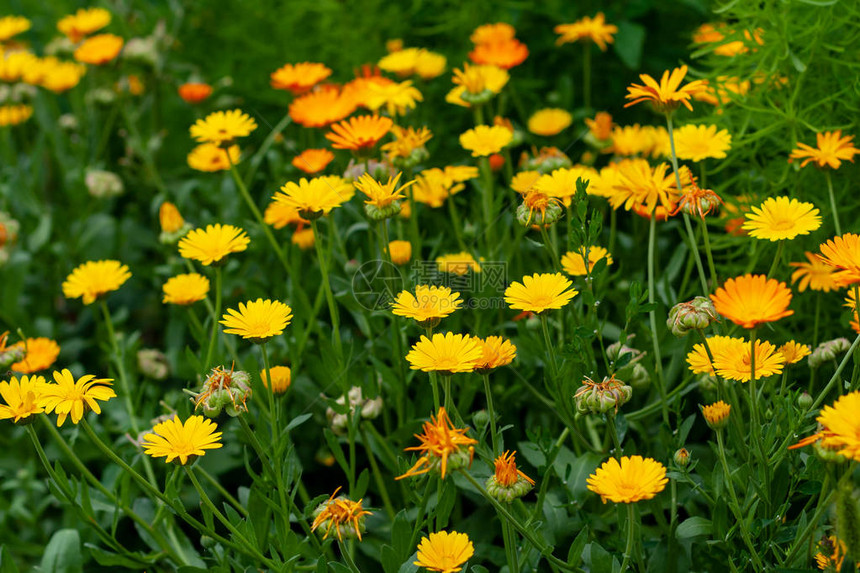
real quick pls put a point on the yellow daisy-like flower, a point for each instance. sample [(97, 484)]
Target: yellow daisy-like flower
[(60, 77), (406, 140), (549, 121), (21, 398), (815, 275), (525, 181), (381, 195), (299, 78), (99, 50), (632, 479), (717, 414), (484, 140), (279, 216), (832, 149), (322, 106), (173, 439), (169, 218), (640, 185), (83, 23), (397, 98), (479, 79), (69, 397), (12, 26), (458, 263), (444, 552), (495, 352), (428, 305), (340, 512), (589, 29), (39, 354), (698, 142), (281, 377), (843, 254), (313, 160), (222, 127), (209, 157), (185, 289), (442, 446), (94, 279), (780, 218), (573, 263), (666, 95), (794, 352), (258, 320), (315, 198), (840, 427), (540, 292), (303, 238), (358, 133), (446, 353), (698, 358), (400, 251), (212, 244), (750, 300), (734, 364)]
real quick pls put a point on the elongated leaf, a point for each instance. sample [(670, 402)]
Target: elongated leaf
[(63, 553)]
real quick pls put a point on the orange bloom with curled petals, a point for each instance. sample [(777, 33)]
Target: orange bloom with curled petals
[(750, 300), (667, 95), (194, 92), (843, 253), (322, 106), (39, 353), (362, 132), (505, 54), (832, 149), (443, 447), (313, 160), (299, 78)]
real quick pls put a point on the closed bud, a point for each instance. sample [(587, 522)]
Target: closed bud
[(381, 213), (103, 184), (804, 401), (682, 458), (478, 98), (697, 314), (828, 351), (601, 397)]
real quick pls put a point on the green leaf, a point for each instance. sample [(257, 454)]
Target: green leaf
[(601, 559), (6, 563), (388, 557), (334, 446), (401, 534), (338, 567), (693, 527), (110, 559), (298, 421), (63, 553), (628, 44), (409, 565), (574, 554)]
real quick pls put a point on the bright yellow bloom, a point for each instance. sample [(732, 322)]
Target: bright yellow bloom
[(561, 183), (185, 289), (549, 121), (222, 127), (734, 363), (794, 352), (340, 512), (93, 279), (409, 61), (428, 304), (257, 320), (841, 427), (406, 141), (485, 140), (640, 185), (441, 445), (525, 181), (316, 197), (39, 354), (211, 245), (15, 66), (573, 263), (458, 263), (83, 23), (362, 132), (540, 292), (304, 238), (831, 554), (589, 29), (633, 479), (21, 398), (478, 79), (12, 26), (495, 352), (400, 251), (832, 149), (99, 50), (489, 33), (313, 160), (444, 552), (398, 98), (446, 353), (323, 106), (698, 358), (74, 398), (698, 142), (172, 439), (281, 375), (60, 77), (279, 216), (381, 195), (666, 95), (716, 414), (843, 253), (750, 300), (430, 65), (209, 157), (815, 274), (299, 78), (780, 218), (169, 218)]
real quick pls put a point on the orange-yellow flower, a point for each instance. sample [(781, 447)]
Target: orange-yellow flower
[(484, 140), (212, 244), (573, 262), (359, 133), (489, 33), (447, 353), (631, 479), (832, 149), (341, 514), (39, 353), (540, 292), (194, 92), (68, 397), (313, 160), (299, 78), (222, 127), (666, 95), (209, 158), (12, 26), (495, 352), (781, 218), (322, 107), (505, 54), (444, 552), (815, 274), (750, 300), (843, 254), (442, 446), (589, 29), (94, 279), (549, 121), (83, 23), (99, 50)]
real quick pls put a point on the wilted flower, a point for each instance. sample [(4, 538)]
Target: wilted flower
[(341, 514), (600, 397), (222, 389), (508, 482)]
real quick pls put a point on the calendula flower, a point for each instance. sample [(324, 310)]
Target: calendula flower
[(794, 352), (832, 149), (482, 82), (717, 414), (814, 274), (525, 181), (12, 26), (210, 158), (279, 216), (322, 107), (409, 61), (381, 195), (443, 447), (21, 398), (257, 320), (444, 552), (70, 397), (194, 92), (667, 95), (840, 427), (341, 514), (735, 363), (94, 279), (299, 78), (750, 300), (458, 263), (589, 29), (601, 126), (695, 200), (505, 54), (629, 480), (397, 98), (540, 292), (359, 133), (573, 263), (60, 77), (781, 218), (489, 33), (400, 252), (83, 23), (640, 185), (698, 358), (173, 439), (831, 554), (39, 354), (428, 305), (99, 50), (315, 198), (281, 378), (698, 142), (843, 254), (313, 160), (549, 121), (222, 127), (446, 353), (495, 352), (185, 289), (212, 244), (484, 140), (406, 141), (169, 218)]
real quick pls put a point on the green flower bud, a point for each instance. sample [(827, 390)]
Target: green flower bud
[(682, 458), (381, 213), (600, 397), (478, 98), (828, 351), (697, 314), (804, 401)]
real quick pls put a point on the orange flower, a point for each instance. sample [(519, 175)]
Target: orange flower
[(589, 29), (99, 50), (601, 126), (505, 53), (832, 149), (194, 92), (843, 253), (442, 445), (667, 95), (322, 107), (489, 33), (313, 160), (815, 274), (299, 78), (750, 300), (362, 132)]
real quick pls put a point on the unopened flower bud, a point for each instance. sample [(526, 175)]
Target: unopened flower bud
[(481, 418), (508, 483), (682, 458), (478, 98), (717, 414), (804, 401), (103, 184), (697, 314), (371, 409), (827, 351), (358, 405), (141, 50), (376, 213), (600, 397), (153, 363)]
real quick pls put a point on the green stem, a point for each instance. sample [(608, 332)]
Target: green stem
[(550, 248), (455, 221), (344, 551), (613, 433), (377, 475), (511, 549), (776, 259), (273, 411), (709, 254), (833, 202), (329, 295), (488, 205), (549, 347), (213, 336), (652, 318), (631, 533), (586, 76), (223, 491), (491, 414)]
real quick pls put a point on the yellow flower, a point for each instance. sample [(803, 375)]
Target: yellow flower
[(485, 140), (185, 289), (794, 352), (632, 479), (444, 552), (12, 26), (321, 107), (549, 121), (489, 33), (717, 414), (39, 354), (316, 197), (442, 446), (398, 98), (357, 133), (666, 95), (590, 29), (540, 292), (406, 141), (169, 218), (281, 375), (843, 253), (734, 363), (780, 218), (340, 513), (93, 279), (172, 439), (83, 23), (279, 216), (525, 181), (573, 263), (400, 251), (74, 398), (495, 352), (59, 77), (698, 358), (21, 398), (381, 195), (312, 160), (446, 353), (430, 65), (257, 320), (840, 427), (831, 554), (222, 127), (299, 78), (401, 62), (640, 185), (210, 157), (815, 274), (304, 238), (213, 244), (750, 300), (429, 304), (458, 263), (99, 50), (832, 149), (477, 79), (698, 142), (561, 183)]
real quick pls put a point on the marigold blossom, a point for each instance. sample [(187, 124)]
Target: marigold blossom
[(793, 352), (359, 133), (573, 263), (666, 95), (549, 121), (185, 289), (814, 274), (716, 414), (830, 151), (485, 140), (209, 158), (194, 92), (733, 362), (843, 254), (429, 303), (442, 445), (699, 142), (299, 78), (840, 427), (495, 352), (93, 279), (222, 127), (212, 244), (540, 292), (447, 353), (315, 198), (173, 439), (70, 397), (281, 377), (99, 50), (21, 398), (589, 29), (340, 514), (257, 320), (12, 26), (629, 480), (39, 354), (458, 263), (444, 552), (83, 23), (781, 218), (750, 300)]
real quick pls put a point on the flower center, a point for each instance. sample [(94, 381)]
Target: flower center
[(782, 224)]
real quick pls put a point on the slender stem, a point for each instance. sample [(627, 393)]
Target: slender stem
[(833, 202), (755, 430), (776, 259), (586, 76), (377, 475), (511, 549), (817, 315), (344, 551), (419, 517), (213, 336), (550, 248), (652, 317), (613, 433), (708, 253), (455, 222), (491, 414), (223, 491), (273, 412), (332, 306), (488, 204), (631, 533), (549, 347)]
